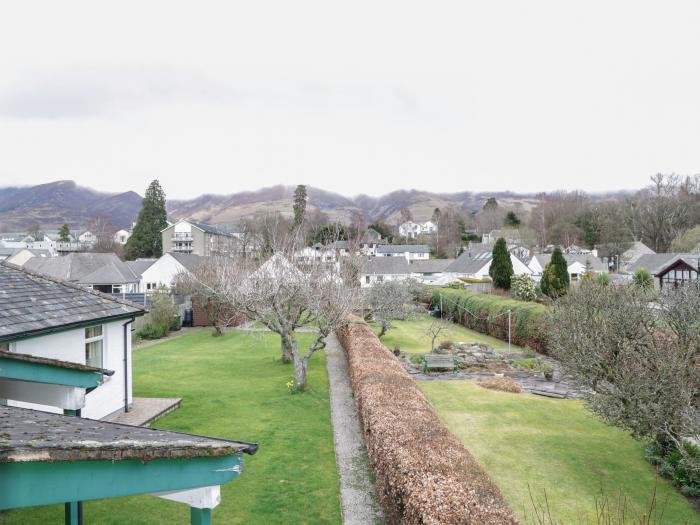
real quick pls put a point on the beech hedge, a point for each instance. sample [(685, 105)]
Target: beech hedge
[(488, 314), (424, 474)]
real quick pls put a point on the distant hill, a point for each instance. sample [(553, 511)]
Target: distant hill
[(52, 204)]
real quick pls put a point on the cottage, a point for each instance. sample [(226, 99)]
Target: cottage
[(410, 252), (103, 272), (476, 264), (668, 269), (380, 269), (577, 264), (197, 238), (47, 318)]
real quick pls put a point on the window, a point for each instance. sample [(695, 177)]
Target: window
[(116, 288), (367, 279), (380, 278), (94, 340)]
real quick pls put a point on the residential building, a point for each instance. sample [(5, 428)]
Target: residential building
[(381, 269), (577, 264), (103, 272), (198, 238), (20, 256), (121, 236), (411, 252), (411, 230), (432, 271), (319, 252), (619, 257), (369, 242), (48, 318), (87, 237), (476, 264), (161, 273), (668, 269)]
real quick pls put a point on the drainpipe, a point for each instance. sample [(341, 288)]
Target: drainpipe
[(126, 366)]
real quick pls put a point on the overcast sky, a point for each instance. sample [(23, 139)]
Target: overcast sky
[(354, 97)]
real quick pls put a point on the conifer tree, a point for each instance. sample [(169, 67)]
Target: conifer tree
[(555, 279), (299, 205), (501, 269), (146, 240), (64, 234)]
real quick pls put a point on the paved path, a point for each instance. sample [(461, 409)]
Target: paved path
[(145, 410), (172, 335), (358, 495)]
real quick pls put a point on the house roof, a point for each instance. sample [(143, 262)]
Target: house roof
[(403, 248), (84, 268), (339, 245), (140, 265), (629, 249), (430, 266), (386, 266), (371, 236), (32, 304), (189, 260), (31, 435), (655, 262), (571, 258), (470, 262)]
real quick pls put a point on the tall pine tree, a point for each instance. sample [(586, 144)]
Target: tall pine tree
[(146, 240), (299, 205), (64, 234), (501, 269)]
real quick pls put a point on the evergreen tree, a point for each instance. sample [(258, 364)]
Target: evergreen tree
[(299, 205), (555, 279), (146, 240), (64, 234), (512, 219), (501, 269)]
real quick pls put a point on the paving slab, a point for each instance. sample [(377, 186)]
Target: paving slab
[(145, 410)]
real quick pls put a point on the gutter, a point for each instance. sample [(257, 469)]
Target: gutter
[(126, 366)]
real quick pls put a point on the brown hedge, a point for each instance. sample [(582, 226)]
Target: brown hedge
[(424, 474)]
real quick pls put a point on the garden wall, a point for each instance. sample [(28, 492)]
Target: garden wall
[(424, 474), (488, 314)]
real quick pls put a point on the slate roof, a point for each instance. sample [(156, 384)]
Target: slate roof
[(339, 245), (140, 265), (189, 260), (403, 248), (386, 266), (84, 268), (655, 262), (431, 265), (469, 263), (31, 435), (629, 249), (209, 228), (571, 258), (31, 304)]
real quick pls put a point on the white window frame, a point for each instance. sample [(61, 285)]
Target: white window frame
[(94, 339)]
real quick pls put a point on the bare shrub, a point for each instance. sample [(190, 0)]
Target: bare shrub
[(503, 384)]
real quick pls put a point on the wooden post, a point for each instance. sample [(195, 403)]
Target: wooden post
[(200, 516), (509, 331)]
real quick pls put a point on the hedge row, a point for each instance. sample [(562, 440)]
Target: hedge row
[(488, 314), (424, 474)]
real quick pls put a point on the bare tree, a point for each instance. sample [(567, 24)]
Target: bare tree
[(389, 301), (438, 328), (103, 230)]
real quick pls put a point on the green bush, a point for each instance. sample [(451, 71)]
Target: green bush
[(672, 466), (488, 314), (152, 331), (523, 287), (474, 280)]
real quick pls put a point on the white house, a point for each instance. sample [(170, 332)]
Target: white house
[(380, 269), (577, 264), (121, 236), (431, 271), (161, 273), (476, 264), (70, 324), (87, 237), (410, 252), (317, 252), (411, 229)]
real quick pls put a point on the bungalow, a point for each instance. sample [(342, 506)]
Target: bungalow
[(20, 256), (476, 265), (668, 268), (431, 271), (103, 272), (52, 319), (380, 269), (577, 264), (161, 273), (411, 252)]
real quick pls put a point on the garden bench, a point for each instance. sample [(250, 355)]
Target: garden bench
[(438, 361)]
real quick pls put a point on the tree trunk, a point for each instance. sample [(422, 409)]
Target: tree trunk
[(217, 330), (382, 332), (288, 343), (300, 367)]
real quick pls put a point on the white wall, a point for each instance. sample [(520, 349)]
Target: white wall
[(374, 278), (162, 272), (70, 346)]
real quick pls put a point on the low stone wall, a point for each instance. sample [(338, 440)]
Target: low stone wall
[(424, 474)]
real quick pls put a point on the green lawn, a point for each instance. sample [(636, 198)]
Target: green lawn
[(410, 336), (553, 445), (233, 387)]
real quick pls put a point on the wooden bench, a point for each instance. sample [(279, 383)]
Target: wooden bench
[(439, 362)]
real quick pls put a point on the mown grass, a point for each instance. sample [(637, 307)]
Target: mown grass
[(411, 338), (234, 387), (555, 446)]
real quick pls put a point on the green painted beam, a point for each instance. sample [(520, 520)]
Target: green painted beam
[(33, 483), (200, 516), (45, 373)]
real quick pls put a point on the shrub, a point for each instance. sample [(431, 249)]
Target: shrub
[(474, 280), (503, 384), (672, 465), (152, 331), (523, 287), (488, 314), (643, 279), (501, 269), (555, 279), (424, 474)]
